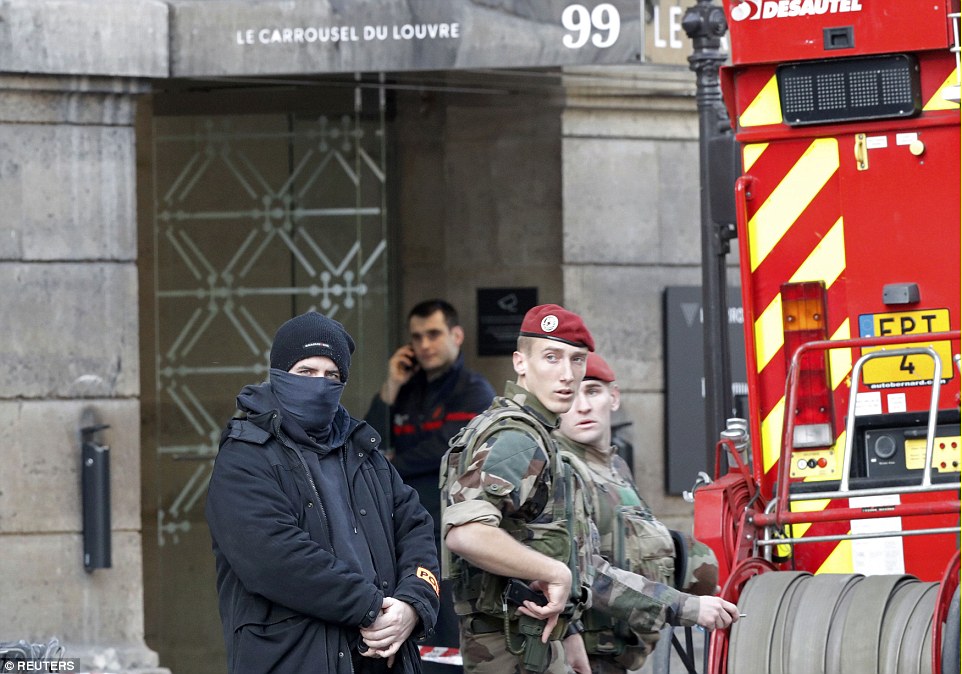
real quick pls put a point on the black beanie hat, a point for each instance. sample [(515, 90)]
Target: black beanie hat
[(312, 334)]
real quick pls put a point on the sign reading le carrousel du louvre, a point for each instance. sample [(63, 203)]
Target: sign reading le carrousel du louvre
[(253, 37)]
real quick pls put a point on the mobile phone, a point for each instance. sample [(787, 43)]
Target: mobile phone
[(517, 592), (412, 363)]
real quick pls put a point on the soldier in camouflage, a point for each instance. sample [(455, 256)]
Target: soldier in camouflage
[(513, 510), (630, 536)]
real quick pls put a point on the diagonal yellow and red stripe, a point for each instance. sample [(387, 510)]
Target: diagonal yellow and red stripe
[(795, 232)]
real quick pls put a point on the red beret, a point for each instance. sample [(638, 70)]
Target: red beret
[(549, 321), (599, 369)]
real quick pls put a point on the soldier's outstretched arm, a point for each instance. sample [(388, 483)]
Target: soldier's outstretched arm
[(648, 606), (494, 550)]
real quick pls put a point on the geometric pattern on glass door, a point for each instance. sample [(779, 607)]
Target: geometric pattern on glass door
[(252, 215)]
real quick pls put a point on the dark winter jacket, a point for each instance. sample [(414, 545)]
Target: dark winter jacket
[(287, 602), (426, 414), (424, 417)]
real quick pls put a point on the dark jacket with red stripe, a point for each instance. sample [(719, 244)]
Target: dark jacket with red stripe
[(422, 420)]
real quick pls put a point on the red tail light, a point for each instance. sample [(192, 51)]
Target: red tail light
[(803, 320)]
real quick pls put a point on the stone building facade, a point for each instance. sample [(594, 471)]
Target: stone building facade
[(168, 199)]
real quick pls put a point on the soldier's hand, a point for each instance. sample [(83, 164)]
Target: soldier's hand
[(575, 654), (715, 612), (400, 368), (557, 591)]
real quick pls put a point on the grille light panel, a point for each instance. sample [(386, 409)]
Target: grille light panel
[(847, 90)]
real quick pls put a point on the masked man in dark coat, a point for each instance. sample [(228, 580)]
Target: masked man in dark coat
[(325, 560)]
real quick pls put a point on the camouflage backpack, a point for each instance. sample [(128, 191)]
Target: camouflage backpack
[(639, 542)]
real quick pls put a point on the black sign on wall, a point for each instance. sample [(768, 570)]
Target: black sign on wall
[(686, 453), (500, 312)]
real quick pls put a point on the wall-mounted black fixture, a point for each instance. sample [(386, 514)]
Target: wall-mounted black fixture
[(900, 293), (95, 492)]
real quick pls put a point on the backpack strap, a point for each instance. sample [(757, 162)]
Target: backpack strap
[(493, 419), (584, 475)]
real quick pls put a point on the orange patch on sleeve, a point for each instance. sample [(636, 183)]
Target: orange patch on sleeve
[(429, 578)]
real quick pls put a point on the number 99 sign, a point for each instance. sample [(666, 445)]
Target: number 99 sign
[(601, 25)]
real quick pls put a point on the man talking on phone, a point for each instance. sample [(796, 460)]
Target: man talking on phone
[(427, 397)]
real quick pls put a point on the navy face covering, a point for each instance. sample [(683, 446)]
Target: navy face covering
[(311, 401)]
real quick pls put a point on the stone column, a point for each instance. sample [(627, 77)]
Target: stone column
[(70, 75), (69, 346), (631, 228)]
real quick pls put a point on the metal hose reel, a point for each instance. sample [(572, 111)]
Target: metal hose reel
[(797, 623)]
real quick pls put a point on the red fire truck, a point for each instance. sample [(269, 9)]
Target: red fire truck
[(835, 510)]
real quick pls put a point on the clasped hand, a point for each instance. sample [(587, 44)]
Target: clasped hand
[(389, 630)]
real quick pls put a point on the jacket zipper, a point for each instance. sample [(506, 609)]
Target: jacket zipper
[(317, 497), (310, 479), (350, 494)]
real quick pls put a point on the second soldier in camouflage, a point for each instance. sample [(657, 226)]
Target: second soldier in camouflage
[(630, 536)]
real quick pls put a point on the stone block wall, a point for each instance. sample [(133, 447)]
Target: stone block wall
[(71, 73), (631, 228), (479, 204), (604, 182), (69, 345)]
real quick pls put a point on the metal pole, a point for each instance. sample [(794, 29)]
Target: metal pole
[(705, 25)]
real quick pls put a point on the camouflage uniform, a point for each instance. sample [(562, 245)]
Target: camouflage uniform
[(632, 539), (510, 477)]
